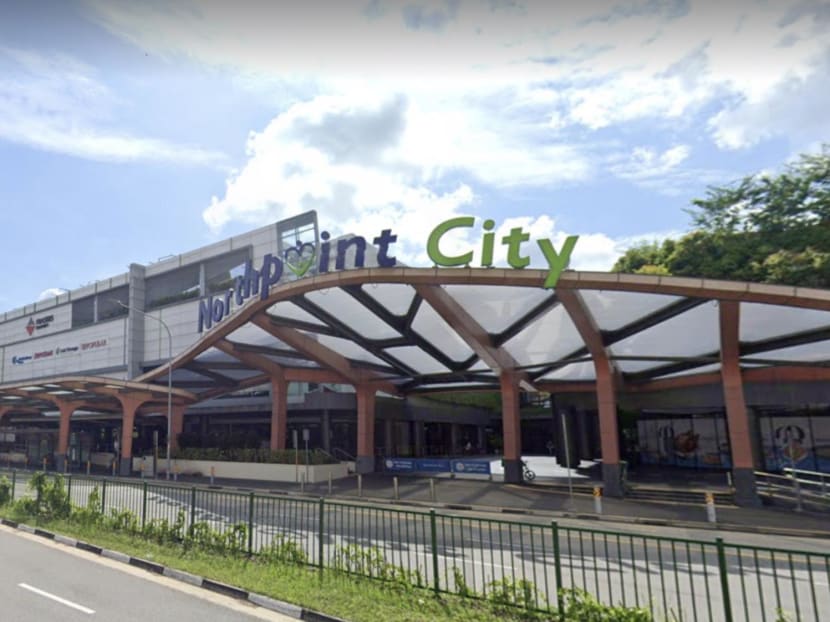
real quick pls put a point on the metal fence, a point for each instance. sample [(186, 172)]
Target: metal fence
[(528, 564)]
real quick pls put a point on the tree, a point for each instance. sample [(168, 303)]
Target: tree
[(764, 228)]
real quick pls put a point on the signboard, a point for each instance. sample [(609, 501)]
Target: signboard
[(471, 467), (317, 257), (400, 465)]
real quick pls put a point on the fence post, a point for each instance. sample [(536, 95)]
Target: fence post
[(14, 482), (69, 488), (144, 507), (320, 531), (250, 523), (103, 496), (557, 567), (724, 580), (192, 506), (434, 540)]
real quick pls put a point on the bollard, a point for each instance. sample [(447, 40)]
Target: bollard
[(711, 514), (359, 485), (88, 467), (176, 473), (212, 473), (729, 479), (395, 485), (597, 499), (141, 468), (44, 464), (432, 488), (329, 483), (302, 482), (113, 468)]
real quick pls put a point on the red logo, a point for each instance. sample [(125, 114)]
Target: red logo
[(30, 327)]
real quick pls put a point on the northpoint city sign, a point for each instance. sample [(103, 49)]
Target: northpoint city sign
[(300, 258)]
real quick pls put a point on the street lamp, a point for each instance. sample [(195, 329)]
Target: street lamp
[(169, 375)]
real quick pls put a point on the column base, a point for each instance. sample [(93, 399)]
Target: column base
[(611, 483), (746, 494), (364, 464), (125, 467), (512, 471), (60, 462)]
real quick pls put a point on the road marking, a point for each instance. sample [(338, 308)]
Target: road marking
[(57, 599)]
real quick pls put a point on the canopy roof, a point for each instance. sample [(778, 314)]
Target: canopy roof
[(406, 330)]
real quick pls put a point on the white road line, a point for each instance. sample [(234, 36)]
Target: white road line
[(57, 599)]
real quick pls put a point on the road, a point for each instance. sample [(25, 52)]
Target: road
[(41, 580), (634, 566)]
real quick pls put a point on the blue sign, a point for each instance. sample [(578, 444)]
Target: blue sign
[(433, 465), (400, 465), (477, 467)]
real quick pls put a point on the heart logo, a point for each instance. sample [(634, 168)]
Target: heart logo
[(299, 258)]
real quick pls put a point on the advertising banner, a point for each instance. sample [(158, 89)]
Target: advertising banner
[(400, 465), (433, 465), (475, 467)]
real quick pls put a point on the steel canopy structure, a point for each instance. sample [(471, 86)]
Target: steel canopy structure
[(402, 331)]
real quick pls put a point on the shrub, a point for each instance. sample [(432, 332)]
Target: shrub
[(5, 491), (579, 605), (284, 551)]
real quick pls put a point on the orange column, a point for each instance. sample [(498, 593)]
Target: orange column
[(66, 410), (129, 405), (176, 425), (365, 429), (740, 439), (279, 413), (511, 428), (3, 411), (608, 429)]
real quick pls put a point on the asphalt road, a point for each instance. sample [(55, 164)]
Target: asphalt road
[(40, 580)]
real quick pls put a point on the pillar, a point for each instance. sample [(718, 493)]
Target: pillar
[(129, 405), (325, 429), (737, 419), (388, 437), (609, 435), (176, 426), (454, 440), (66, 409), (365, 430), (511, 428), (481, 441), (279, 413)]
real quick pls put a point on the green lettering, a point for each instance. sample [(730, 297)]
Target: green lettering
[(514, 242), (557, 261), (435, 254)]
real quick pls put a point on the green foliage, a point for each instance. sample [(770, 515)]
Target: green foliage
[(162, 531), (579, 605), (91, 515), (509, 593), (765, 228), (370, 562), (51, 500), (5, 491), (462, 588), (284, 551), (232, 541)]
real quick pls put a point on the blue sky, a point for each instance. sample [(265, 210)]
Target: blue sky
[(132, 131)]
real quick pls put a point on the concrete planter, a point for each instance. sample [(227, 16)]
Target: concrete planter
[(248, 470)]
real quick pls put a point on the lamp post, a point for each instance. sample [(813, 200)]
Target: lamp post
[(169, 375)]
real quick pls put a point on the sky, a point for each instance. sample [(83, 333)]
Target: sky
[(132, 131)]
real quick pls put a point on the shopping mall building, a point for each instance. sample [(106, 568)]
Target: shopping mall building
[(285, 328)]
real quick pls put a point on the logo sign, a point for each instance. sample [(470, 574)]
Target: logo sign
[(38, 323), (303, 256), (45, 354), (557, 260), (400, 465), (476, 467)]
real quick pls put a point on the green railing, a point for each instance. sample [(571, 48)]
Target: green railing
[(535, 564)]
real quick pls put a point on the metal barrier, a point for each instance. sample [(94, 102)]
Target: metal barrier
[(533, 565)]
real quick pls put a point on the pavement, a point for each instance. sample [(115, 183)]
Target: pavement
[(545, 499)]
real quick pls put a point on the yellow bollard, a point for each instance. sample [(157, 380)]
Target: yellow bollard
[(88, 467), (44, 464), (597, 499)]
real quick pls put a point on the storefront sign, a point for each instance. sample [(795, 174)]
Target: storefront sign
[(300, 258), (62, 351), (39, 323)]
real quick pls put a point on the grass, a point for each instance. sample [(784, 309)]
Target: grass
[(338, 594)]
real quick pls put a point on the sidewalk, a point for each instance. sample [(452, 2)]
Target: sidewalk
[(541, 500)]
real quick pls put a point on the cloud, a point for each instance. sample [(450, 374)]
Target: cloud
[(55, 103), (51, 292), (590, 65), (361, 155)]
